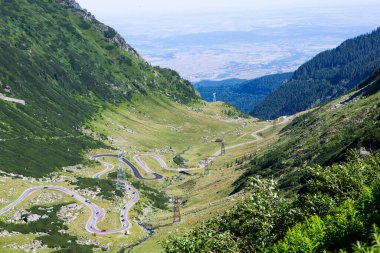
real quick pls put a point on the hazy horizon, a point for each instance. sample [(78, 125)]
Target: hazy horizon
[(240, 39)]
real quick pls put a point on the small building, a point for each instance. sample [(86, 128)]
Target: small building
[(220, 140)]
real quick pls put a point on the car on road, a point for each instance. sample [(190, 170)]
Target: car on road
[(103, 230)]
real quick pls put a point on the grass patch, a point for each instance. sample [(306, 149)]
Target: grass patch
[(158, 198)]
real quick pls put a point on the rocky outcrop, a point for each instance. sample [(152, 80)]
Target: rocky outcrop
[(70, 212), (5, 233), (47, 198), (4, 201), (33, 217), (87, 241), (109, 33), (33, 247), (74, 4)]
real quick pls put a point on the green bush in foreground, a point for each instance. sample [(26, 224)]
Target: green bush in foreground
[(363, 248), (251, 225), (350, 222), (337, 210)]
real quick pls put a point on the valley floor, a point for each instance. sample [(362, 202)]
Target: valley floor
[(146, 126)]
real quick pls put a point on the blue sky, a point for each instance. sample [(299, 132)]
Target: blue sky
[(173, 17), (128, 6)]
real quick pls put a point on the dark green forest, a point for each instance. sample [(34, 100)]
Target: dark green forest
[(243, 95), (325, 77)]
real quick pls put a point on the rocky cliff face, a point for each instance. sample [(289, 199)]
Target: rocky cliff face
[(109, 33)]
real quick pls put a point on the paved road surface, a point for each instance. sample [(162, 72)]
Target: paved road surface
[(14, 100), (135, 171), (108, 169)]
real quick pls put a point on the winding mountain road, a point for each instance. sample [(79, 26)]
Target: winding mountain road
[(97, 213), (135, 171), (109, 168), (141, 163)]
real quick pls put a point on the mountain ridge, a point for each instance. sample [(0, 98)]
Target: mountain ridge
[(327, 76), (216, 83), (243, 94), (117, 39)]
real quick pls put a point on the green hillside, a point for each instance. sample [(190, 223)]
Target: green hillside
[(68, 67), (243, 94), (325, 77), (315, 190), (325, 134)]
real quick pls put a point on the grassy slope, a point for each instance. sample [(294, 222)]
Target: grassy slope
[(346, 192), (66, 66), (323, 135), (203, 196), (173, 127), (170, 128)]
